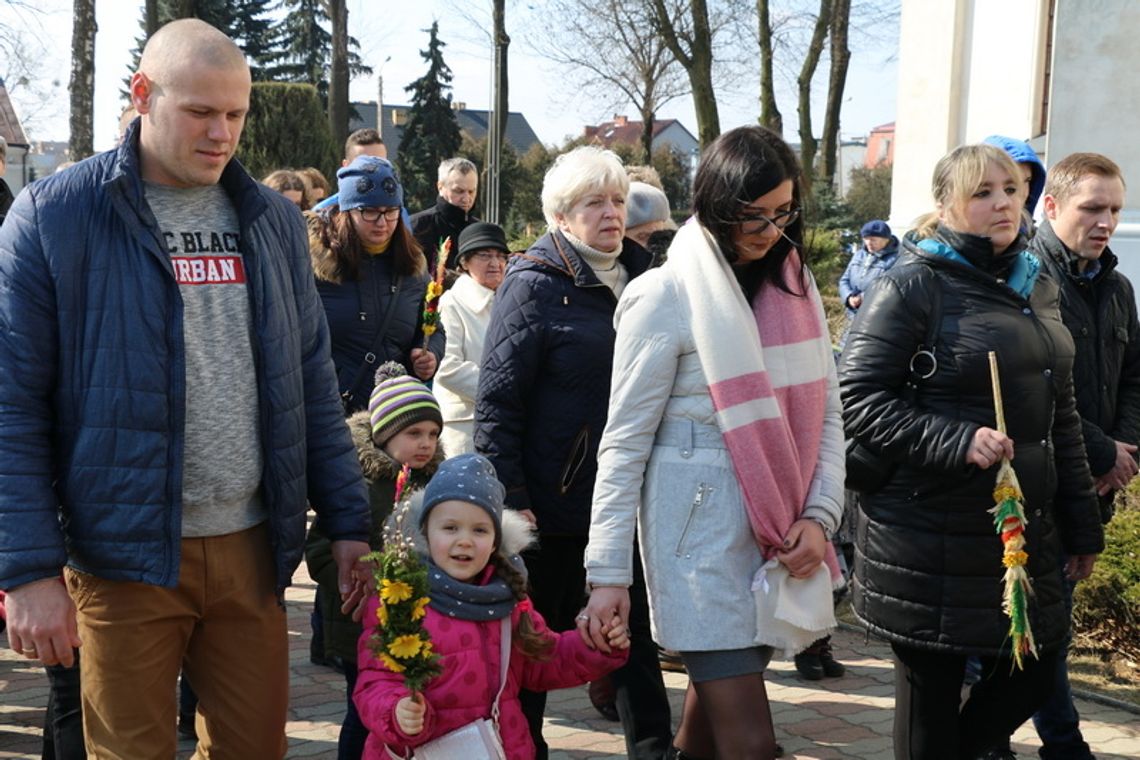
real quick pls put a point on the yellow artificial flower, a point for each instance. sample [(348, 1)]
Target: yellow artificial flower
[(420, 607), (428, 330), (394, 592), (382, 615), (426, 651), (434, 290), (1014, 559), (405, 646), (393, 666)]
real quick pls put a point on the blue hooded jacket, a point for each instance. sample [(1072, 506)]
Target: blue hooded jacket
[(92, 376), (1021, 152)]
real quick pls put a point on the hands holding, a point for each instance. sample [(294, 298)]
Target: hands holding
[(423, 363), (855, 300), (1122, 471), (988, 448), (410, 712), (41, 622), (804, 546), (604, 622)]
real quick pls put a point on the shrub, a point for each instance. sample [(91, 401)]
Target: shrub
[(286, 128), (825, 256), (1106, 606)]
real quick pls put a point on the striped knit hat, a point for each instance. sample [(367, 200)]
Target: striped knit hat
[(399, 400)]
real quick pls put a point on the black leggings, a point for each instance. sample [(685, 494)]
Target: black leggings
[(558, 583), (931, 723)]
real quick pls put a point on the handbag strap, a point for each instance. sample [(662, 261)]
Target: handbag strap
[(377, 339), (504, 665)]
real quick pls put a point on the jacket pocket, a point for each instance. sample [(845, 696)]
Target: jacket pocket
[(702, 494), (578, 450)]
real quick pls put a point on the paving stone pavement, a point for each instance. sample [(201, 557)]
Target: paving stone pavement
[(835, 719)]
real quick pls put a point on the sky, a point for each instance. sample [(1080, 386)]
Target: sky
[(390, 42)]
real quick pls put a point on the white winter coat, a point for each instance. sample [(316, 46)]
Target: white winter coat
[(465, 311), (663, 465)]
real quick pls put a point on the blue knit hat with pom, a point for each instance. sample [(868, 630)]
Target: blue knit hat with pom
[(469, 478)]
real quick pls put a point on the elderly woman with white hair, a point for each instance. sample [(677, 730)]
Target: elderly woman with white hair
[(541, 407)]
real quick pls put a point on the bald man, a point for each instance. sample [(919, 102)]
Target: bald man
[(168, 408)]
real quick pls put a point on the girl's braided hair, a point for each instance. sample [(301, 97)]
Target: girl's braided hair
[(528, 640)]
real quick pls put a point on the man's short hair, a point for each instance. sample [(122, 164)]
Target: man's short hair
[(3, 149), (1066, 174), (365, 136), (457, 164)]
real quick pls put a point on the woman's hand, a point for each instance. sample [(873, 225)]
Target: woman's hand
[(988, 448), (607, 609), (855, 300), (423, 364), (410, 713), (804, 545)]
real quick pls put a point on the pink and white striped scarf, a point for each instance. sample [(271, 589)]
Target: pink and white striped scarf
[(768, 367)]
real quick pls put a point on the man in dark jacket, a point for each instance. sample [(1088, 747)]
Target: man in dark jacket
[(6, 196), (167, 409), (1084, 193), (457, 185)]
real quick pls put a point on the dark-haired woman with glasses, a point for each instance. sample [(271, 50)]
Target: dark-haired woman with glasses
[(372, 277), (465, 313), (724, 448)]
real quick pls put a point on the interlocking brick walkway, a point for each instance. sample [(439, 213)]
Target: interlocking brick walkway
[(847, 718)]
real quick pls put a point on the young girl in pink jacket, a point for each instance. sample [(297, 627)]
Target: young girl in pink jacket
[(477, 579)]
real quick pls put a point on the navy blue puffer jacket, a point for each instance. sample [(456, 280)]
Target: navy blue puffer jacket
[(92, 373), (544, 381)]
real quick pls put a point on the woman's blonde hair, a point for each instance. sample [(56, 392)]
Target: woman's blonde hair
[(959, 174), (575, 175)]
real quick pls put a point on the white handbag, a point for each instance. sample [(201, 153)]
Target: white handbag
[(479, 739)]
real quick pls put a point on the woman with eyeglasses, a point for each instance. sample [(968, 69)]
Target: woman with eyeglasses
[(928, 562), (371, 277), (724, 448), (465, 313)]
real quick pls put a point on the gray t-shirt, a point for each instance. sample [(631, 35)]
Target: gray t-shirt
[(222, 461)]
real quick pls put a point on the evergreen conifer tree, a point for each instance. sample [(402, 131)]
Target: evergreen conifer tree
[(303, 47), (431, 133), (244, 21)]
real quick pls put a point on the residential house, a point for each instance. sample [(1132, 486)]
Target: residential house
[(666, 132), (472, 122)]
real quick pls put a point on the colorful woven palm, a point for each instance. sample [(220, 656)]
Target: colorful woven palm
[(434, 291), (1009, 521)]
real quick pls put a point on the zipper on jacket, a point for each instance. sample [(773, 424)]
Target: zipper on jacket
[(703, 490)]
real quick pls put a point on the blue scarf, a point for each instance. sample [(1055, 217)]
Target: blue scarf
[(1022, 273)]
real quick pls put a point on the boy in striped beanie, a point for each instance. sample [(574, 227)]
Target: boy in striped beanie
[(401, 426)]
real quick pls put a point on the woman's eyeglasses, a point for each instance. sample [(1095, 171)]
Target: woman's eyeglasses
[(754, 224), (487, 256), (373, 215)]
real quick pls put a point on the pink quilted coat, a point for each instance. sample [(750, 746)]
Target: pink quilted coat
[(465, 689)]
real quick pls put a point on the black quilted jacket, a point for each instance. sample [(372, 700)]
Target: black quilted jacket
[(928, 564), (544, 381), (1101, 315)]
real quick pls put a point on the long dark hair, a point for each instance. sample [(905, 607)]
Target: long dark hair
[(740, 166), (338, 236)]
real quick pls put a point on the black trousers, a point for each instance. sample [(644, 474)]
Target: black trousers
[(558, 582), (931, 723)]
